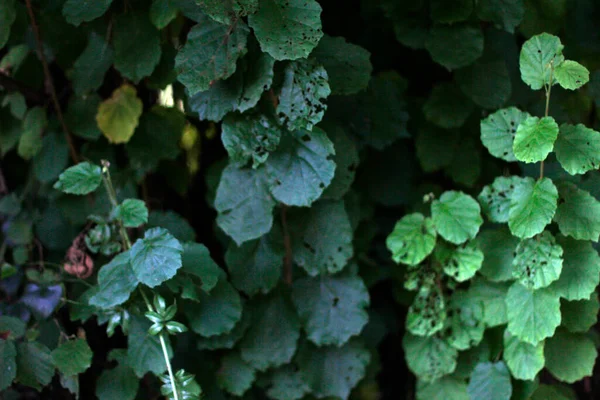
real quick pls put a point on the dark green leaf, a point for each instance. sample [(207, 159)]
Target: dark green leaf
[(234, 375), (570, 356), (490, 381), (72, 357), (455, 46), (34, 364), (578, 214), (504, 14), (76, 12), (250, 137), (156, 258), (132, 212), (119, 382), (578, 148), (581, 270), (144, 352), (447, 107), (116, 281), (91, 66), (429, 358), (8, 365)]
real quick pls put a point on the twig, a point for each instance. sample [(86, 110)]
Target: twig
[(3, 187), (50, 82), (11, 85), (287, 243)]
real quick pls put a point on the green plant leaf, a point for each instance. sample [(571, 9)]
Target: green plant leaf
[(348, 66), (495, 198), (272, 338), (459, 262), (457, 216), (580, 315), (412, 239), (34, 364), (227, 340), (30, 142), (447, 107), (524, 360), (116, 281), (570, 356), (498, 132), (52, 159), (286, 383), (486, 82), (578, 148), (445, 388), (234, 375), (227, 12), (533, 315), (162, 12), (504, 14), (197, 262), (304, 90), (76, 12), (81, 116), (581, 270), (322, 238), (490, 381), (256, 265), (72, 357), (144, 352), (333, 371), (427, 313), (8, 14), (535, 139), (215, 313), (81, 179), (331, 308), (132, 212), (571, 75), (346, 159), (454, 46), (532, 207), (91, 66), (578, 213), (287, 30), (137, 45), (544, 392), (250, 137), (498, 247), (538, 261), (12, 327), (465, 325), (210, 53), (244, 204), (173, 222), (118, 116), (429, 358), (539, 56), (8, 365), (450, 12), (156, 258), (119, 382)]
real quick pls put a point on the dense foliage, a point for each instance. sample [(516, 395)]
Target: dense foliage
[(299, 199)]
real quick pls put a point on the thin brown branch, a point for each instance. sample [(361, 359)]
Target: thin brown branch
[(11, 85), (287, 243), (50, 82), (3, 186)]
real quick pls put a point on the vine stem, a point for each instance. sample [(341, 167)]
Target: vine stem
[(548, 90), (287, 243), (50, 82), (112, 195)]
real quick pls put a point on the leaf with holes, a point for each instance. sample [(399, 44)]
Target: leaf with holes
[(412, 239), (571, 75), (427, 313), (538, 261), (498, 132), (227, 12), (457, 216), (459, 262), (429, 358), (495, 198), (535, 139), (532, 207), (578, 148), (464, 325), (539, 56)]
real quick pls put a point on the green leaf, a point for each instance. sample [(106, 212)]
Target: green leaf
[(250, 137), (427, 313), (210, 53), (304, 90), (30, 142), (449, 12), (81, 179), (215, 313), (333, 371), (119, 115), (116, 281), (287, 29), (435, 147), (119, 382), (72, 357), (348, 66), (412, 239), (464, 326), (535, 139), (459, 262), (8, 14), (538, 261), (498, 132), (162, 12), (429, 358), (331, 308), (580, 315), (12, 327), (346, 159), (457, 216), (272, 338), (81, 116), (227, 12), (256, 265), (34, 365), (132, 212), (539, 56), (570, 356), (76, 12), (578, 213), (504, 14), (454, 46), (447, 107), (91, 66), (581, 270), (532, 207), (486, 82), (156, 258), (524, 360), (196, 261), (286, 383), (445, 388), (227, 340), (490, 381), (52, 159), (533, 315), (234, 375), (8, 365), (137, 45), (173, 222), (144, 352), (544, 392), (495, 198), (578, 148), (244, 204), (571, 75), (322, 238)]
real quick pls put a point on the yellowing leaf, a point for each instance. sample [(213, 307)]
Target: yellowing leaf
[(119, 115)]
